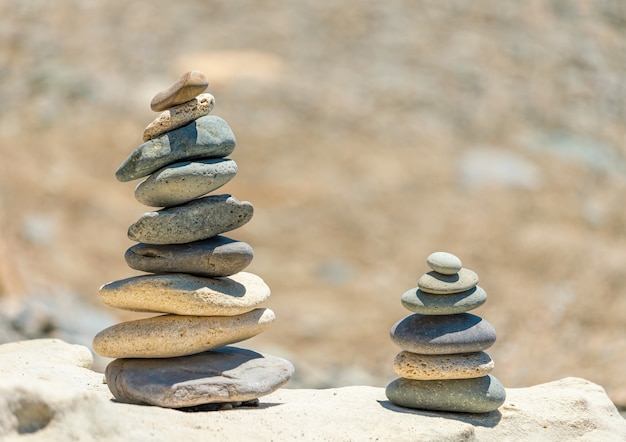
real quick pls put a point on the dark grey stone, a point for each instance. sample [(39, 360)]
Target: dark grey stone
[(418, 301)]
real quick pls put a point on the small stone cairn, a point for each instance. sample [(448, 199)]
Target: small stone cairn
[(442, 366), (181, 359)]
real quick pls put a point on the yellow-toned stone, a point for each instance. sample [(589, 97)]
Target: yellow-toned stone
[(180, 115), (186, 87), (436, 367)]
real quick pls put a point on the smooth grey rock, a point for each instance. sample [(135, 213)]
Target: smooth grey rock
[(199, 219), (477, 395), (438, 283), (206, 137), (445, 263), (227, 374), (182, 182), (418, 301), (212, 257), (443, 334)]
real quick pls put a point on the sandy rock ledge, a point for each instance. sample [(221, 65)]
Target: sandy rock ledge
[(48, 393)]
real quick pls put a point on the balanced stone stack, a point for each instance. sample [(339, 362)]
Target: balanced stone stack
[(442, 365), (179, 358)]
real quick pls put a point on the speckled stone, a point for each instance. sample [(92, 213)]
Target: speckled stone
[(226, 374), (212, 257), (169, 336), (477, 395), (178, 116), (435, 367), (186, 294), (206, 137), (438, 283), (199, 219), (444, 263), (443, 334), (182, 182), (418, 301), (186, 87)]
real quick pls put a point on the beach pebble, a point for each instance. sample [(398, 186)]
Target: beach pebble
[(418, 301), (445, 263), (434, 367), (438, 283), (180, 115), (186, 88)]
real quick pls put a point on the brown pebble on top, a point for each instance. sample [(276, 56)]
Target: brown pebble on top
[(188, 86)]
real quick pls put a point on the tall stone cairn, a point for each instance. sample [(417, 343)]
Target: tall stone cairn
[(180, 358), (442, 365)]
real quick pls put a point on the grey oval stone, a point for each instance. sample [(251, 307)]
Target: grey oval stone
[(478, 395), (207, 137), (199, 219), (227, 374), (438, 283), (445, 334), (419, 301), (212, 257), (182, 182), (444, 262)]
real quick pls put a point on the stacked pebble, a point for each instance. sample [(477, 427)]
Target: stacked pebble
[(179, 359), (442, 366)]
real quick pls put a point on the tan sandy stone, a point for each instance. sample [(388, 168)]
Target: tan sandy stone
[(436, 367), (178, 116), (186, 87), (438, 283)]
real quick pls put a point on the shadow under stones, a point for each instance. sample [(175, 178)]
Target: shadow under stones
[(476, 419)]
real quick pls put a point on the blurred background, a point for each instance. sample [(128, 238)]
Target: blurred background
[(370, 134)]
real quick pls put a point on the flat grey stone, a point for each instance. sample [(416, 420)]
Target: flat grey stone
[(227, 374), (439, 283), (445, 263), (443, 334), (478, 395), (182, 182), (199, 219), (212, 257), (418, 301), (207, 137)]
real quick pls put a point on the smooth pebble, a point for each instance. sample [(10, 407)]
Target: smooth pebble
[(186, 87), (438, 283), (445, 263), (418, 301)]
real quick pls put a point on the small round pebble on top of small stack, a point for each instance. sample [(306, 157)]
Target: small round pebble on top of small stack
[(180, 358), (442, 365)]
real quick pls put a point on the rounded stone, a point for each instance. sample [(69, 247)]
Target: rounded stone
[(199, 219), (435, 367), (226, 374), (169, 336), (186, 87), (477, 395), (444, 263), (182, 182), (178, 116), (183, 294), (438, 283), (418, 301), (207, 137), (443, 334), (213, 257)]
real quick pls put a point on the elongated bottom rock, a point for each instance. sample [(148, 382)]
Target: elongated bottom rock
[(227, 374)]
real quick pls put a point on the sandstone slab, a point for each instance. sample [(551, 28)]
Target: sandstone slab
[(199, 219), (170, 336), (186, 87), (438, 283), (184, 294), (207, 137), (180, 115), (213, 257), (226, 374), (179, 183), (444, 263), (436, 367), (419, 301)]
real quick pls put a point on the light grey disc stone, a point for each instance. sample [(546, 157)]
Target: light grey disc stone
[(182, 182), (418, 301), (212, 257), (443, 334), (477, 395), (227, 374), (199, 219), (207, 137), (444, 263), (438, 283)]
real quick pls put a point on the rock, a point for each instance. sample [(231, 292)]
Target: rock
[(477, 395), (444, 263), (212, 257), (446, 334), (38, 353), (418, 301), (199, 219), (170, 336), (183, 294), (206, 137), (180, 115), (179, 183), (438, 283), (436, 367), (186, 88), (227, 374)]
